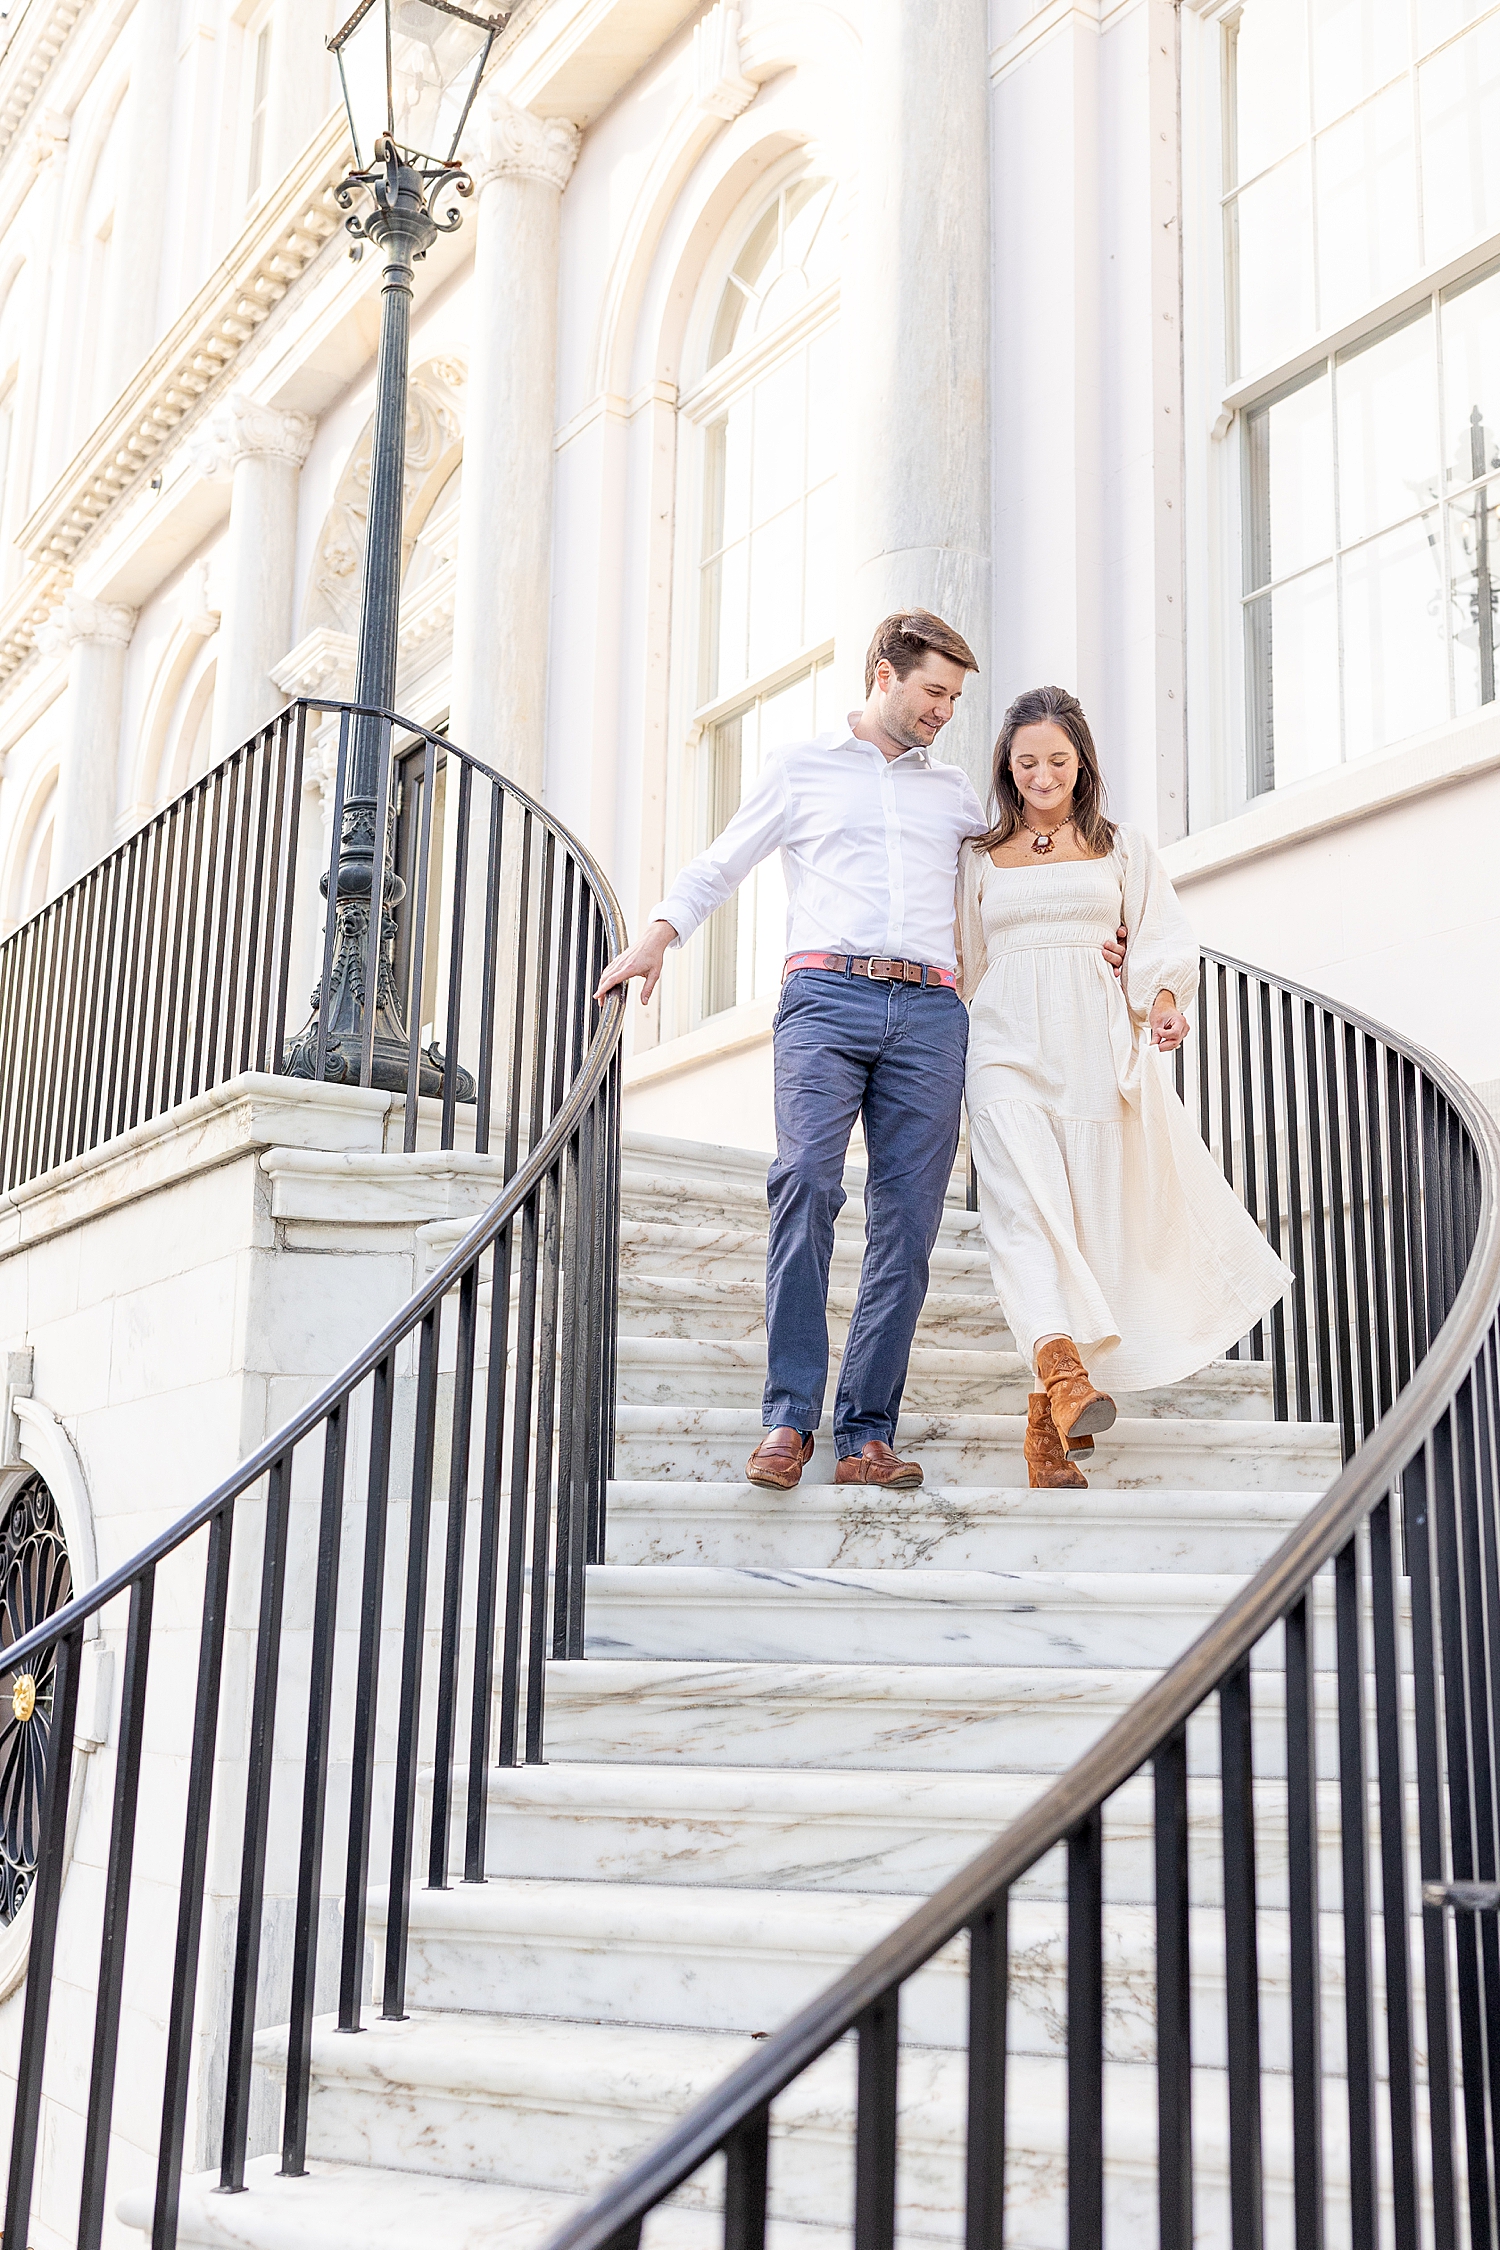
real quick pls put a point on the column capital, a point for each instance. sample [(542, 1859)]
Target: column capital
[(241, 429), (76, 618), (502, 141)]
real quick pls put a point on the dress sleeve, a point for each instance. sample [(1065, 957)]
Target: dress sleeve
[(1161, 949), (973, 953)]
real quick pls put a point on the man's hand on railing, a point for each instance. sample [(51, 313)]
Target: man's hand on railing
[(643, 959)]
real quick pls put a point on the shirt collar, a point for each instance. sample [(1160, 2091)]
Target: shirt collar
[(845, 738)]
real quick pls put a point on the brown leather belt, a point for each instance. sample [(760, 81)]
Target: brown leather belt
[(874, 965)]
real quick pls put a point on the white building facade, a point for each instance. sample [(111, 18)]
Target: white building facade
[(1158, 347)]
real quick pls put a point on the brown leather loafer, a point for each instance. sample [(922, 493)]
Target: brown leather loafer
[(877, 1464), (779, 1459)]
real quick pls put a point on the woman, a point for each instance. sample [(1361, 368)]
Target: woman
[(1115, 1244)]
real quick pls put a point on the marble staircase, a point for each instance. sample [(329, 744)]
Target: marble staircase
[(800, 1713)]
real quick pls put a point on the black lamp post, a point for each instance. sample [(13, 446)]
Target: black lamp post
[(410, 70)]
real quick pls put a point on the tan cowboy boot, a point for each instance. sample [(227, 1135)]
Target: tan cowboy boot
[(1077, 1408), (1048, 1468), (779, 1459), (877, 1464)]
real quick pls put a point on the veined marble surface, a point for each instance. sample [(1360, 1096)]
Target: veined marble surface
[(657, 1443), (950, 1527), (1117, 1618)]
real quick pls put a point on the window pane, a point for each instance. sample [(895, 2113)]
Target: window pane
[(1471, 379), (1304, 694), (1395, 664), (1460, 97), (1367, 206), (821, 600), (1356, 48), (825, 403), (1439, 19), (1274, 257), (1268, 58), (1473, 582), (1387, 420), (775, 592), (1291, 457), (779, 446)]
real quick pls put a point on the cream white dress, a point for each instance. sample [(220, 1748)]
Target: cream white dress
[(1105, 1217)]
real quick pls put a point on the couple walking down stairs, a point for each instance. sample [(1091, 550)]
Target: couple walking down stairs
[(801, 1712)]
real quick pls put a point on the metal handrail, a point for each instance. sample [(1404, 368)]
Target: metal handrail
[(524, 1405), (734, 2118)]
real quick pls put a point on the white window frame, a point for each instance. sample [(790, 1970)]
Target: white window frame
[(1218, 689), (689, 779), (258, 37)]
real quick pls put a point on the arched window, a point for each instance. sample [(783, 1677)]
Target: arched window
[(765, 413), (31, 867)]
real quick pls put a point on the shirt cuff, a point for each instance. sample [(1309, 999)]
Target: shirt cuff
[(677, 913)]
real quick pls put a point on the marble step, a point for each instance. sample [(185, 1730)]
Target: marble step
[(739, 1254), (561, 2107), (952, 1527), (667, 1195), (781, 1616), (694, 1307), (746, 1960), (731, 1371), (654, 1444), (831, 1717), (902, 1832)]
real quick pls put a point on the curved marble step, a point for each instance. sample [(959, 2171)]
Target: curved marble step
[(941, 1378), (947, 1527), (693, 1307), (902, 1832), (745, 1960), (993, 1617), (831, 1717), (654, 1444)]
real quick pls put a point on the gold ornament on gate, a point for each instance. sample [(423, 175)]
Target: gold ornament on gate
[(23, 1697)]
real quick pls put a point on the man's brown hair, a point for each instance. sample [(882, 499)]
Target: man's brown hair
[(903, 637)]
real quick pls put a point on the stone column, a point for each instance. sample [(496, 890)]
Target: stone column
[(96, 636), (916, 482), (520, 165), (263, 448)]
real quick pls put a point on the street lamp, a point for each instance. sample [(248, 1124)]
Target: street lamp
[(410, 70)]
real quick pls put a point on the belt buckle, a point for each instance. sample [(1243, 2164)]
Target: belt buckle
[(879, 968)]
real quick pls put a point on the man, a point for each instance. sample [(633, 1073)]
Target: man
[(869, 1026)]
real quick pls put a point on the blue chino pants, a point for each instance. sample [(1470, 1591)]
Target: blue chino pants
[(892, 1055)]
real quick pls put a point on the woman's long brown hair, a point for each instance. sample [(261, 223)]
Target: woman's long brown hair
[(1036, 707)]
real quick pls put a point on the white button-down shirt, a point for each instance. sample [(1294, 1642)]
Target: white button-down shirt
[(869, 848)]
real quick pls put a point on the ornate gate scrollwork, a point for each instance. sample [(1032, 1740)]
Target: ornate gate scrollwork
[(36, 1580)]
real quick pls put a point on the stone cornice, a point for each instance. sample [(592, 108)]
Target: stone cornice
[(192, 365), (32, 49)]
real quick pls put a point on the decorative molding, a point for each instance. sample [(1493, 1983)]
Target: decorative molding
[(322, 663), (34, 47), (241, 429), (76, 618), (434, 426), (502, 141), (15, 1383), (719, 84), (191, 365), (49, 139)]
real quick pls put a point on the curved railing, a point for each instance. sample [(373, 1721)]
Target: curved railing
[(1367, 1733), (379, 1632)]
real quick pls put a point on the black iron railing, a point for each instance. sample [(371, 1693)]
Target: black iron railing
[(1336, 1733), (401, 1559)]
